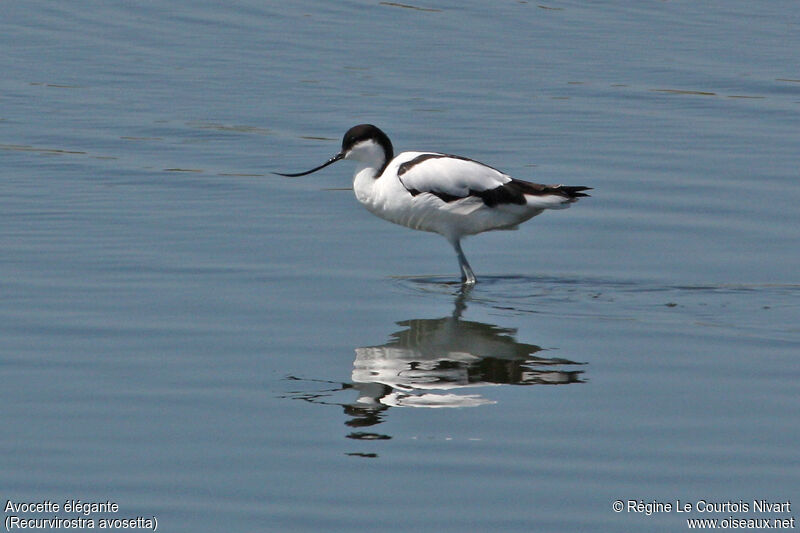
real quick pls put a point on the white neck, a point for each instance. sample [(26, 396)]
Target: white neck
[(368, 155)]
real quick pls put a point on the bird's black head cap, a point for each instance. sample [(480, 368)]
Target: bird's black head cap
[(367, 132)]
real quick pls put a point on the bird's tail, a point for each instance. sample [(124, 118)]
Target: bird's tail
[(570, 192), (573, 191)]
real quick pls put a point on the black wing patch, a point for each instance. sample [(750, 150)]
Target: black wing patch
[(443, 196), (509, 193)]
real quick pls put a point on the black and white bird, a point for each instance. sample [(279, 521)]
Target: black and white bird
[(445, 194)]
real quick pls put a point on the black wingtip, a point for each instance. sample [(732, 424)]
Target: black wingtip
[(574, 191)]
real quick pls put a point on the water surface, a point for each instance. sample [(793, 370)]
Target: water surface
[(198, 340)]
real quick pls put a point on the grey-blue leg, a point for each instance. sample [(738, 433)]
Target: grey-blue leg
[(467, 276)]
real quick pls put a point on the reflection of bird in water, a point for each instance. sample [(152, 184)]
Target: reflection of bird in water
[(431, 360)]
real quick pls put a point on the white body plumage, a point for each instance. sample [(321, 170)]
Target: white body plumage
[(388, 196)]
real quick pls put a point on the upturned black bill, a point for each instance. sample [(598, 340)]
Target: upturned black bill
[(330, 161)]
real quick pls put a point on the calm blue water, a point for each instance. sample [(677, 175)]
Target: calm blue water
[(199, 341)]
